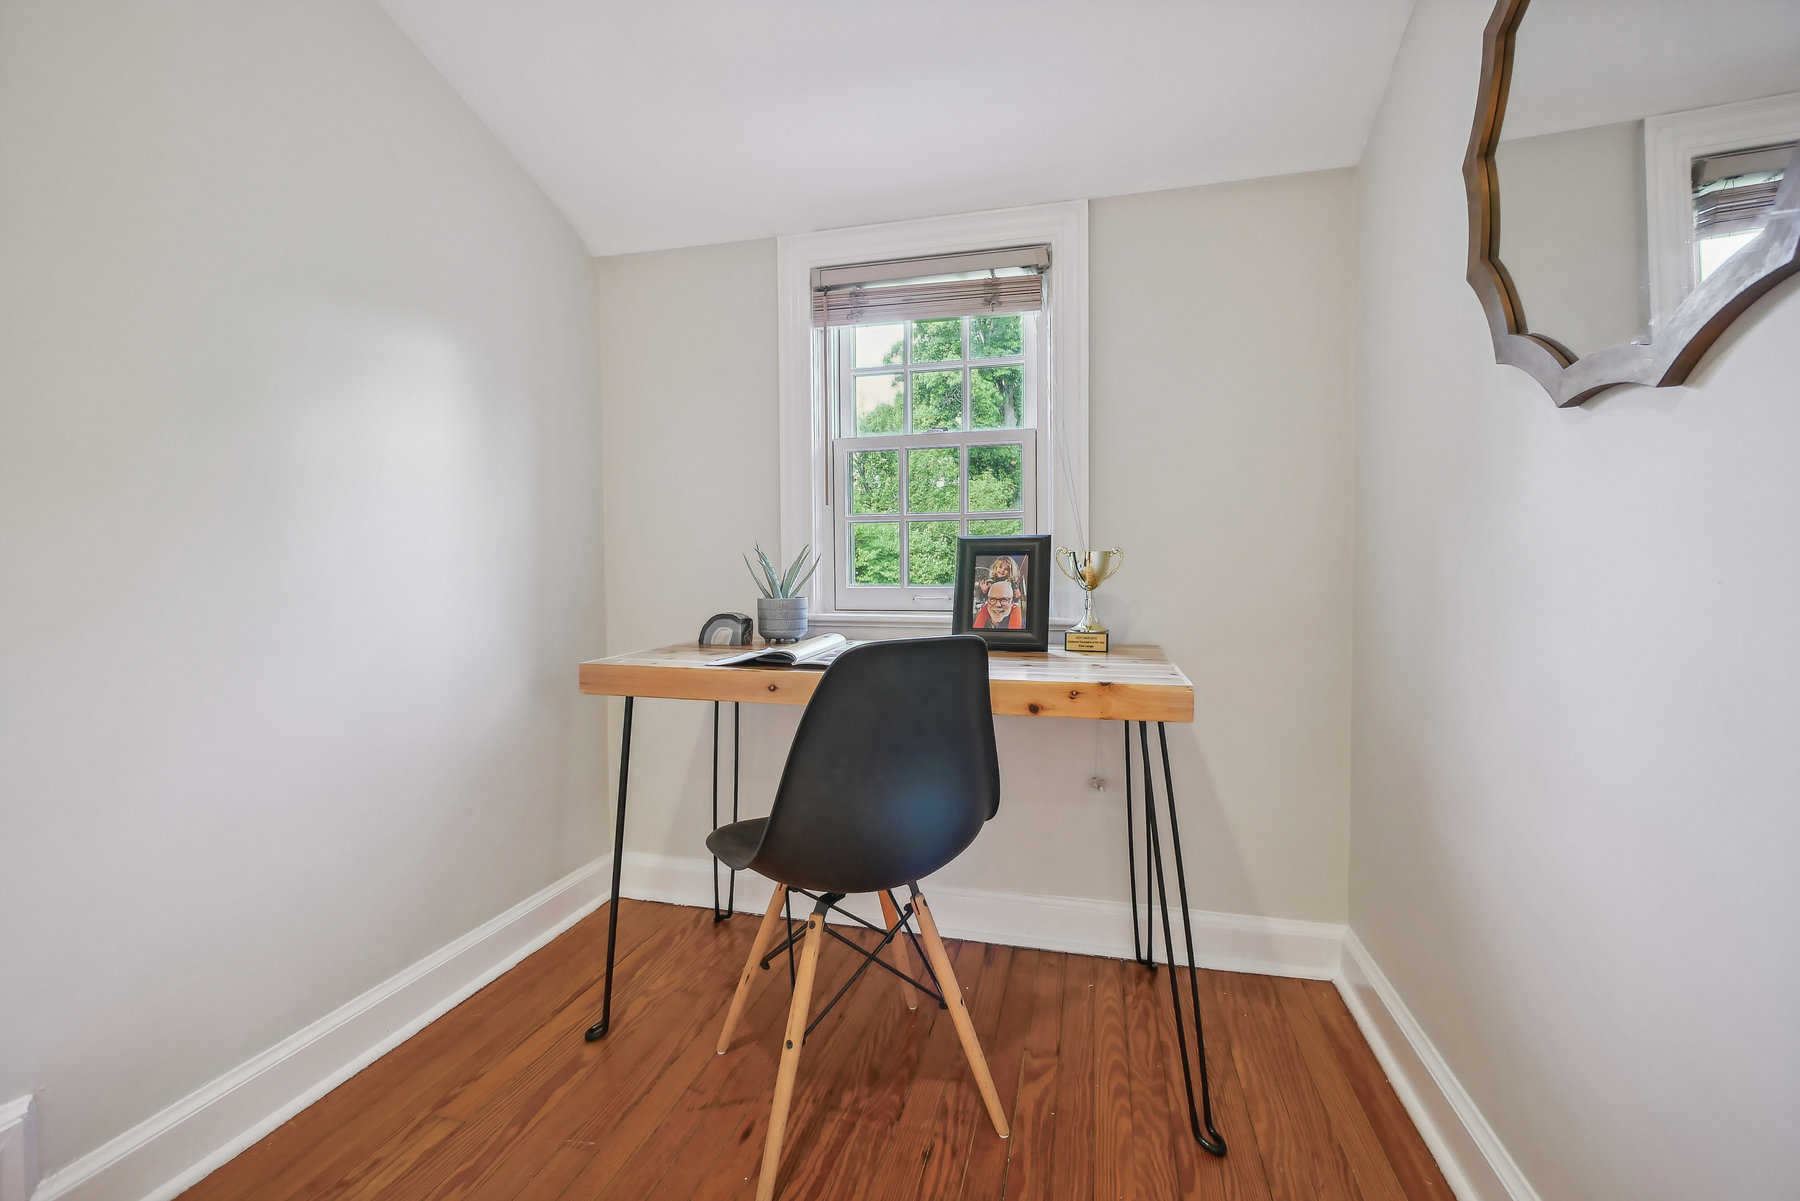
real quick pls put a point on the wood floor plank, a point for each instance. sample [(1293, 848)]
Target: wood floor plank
[(839, 1084), (657, 967), (587, 1140), (1032, 1155), (908, 1152), (1370, 1170), (748, 1091), (502, 1099), (869, 1128), (1153, 1163), (737, 1167), (962, 1142), (333, 1134), (647, 1026), (1198, 1173), (1419, 1175), (373, 1140), (1300, 1155), (1113, 1174), (1072, 1177), (385, 1177), (985, 1158), (584, 1143), (712, 1107), (1242, 1175)]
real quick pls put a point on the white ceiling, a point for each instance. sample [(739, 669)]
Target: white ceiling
[(1581, 63), (685, 122)]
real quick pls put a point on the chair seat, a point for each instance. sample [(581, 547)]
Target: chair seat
[(736, 844)]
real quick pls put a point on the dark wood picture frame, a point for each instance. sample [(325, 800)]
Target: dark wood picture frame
[(1035, 551), (1690, 331)]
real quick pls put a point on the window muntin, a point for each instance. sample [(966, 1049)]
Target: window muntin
[(935, 436)]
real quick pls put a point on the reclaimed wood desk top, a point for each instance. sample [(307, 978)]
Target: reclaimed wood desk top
[(1132, 683)]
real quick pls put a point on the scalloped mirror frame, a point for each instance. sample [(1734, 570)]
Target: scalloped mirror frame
[(1689, 332)]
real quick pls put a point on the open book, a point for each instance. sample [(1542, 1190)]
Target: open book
[(816, 652)]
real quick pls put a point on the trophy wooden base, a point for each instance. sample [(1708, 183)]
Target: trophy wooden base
[(1092, 644)]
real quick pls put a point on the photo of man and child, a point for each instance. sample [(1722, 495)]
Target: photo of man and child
[(1000, 591)]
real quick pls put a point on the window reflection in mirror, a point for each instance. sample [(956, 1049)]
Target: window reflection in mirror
[(1622, 181), (1734, 191)]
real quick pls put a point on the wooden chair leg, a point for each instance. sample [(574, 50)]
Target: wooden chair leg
[(765, 934), (790, 1057), (891, 916), (959, 1013)]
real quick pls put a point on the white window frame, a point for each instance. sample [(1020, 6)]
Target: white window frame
[(1672, 142), (1059, 477), (906, 597)]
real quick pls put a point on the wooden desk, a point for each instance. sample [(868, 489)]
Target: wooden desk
[(1131, 684)]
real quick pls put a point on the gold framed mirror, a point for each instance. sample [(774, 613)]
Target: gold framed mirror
[(1649, 158)]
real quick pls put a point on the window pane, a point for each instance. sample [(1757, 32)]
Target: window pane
[(995, 337), (1714, 251), (996, 478), (937, 400), (997, 527), (938, 341), (875, 552), (880, 344), (934, 480), (879, 404), (931, 552), (997, 397), (875, 481)]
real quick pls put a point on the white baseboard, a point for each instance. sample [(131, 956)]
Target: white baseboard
[(168, 1152), (1227, 941), (1474, 1162), (18, 1149)]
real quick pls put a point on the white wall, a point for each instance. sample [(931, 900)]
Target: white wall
[(299, 525), (1577, 672), (1221, 334)]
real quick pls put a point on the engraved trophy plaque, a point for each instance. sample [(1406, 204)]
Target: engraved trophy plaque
[(1089, 569)]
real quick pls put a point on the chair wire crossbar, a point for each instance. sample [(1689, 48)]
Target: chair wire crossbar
[(830, 900)]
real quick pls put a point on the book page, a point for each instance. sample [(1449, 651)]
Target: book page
[(807, 651)]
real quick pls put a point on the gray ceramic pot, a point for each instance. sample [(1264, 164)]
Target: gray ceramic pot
[(781, 619)]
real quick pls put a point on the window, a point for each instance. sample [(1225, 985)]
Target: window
[(933, 385), (934, 437), (1711, 177), (1734, 192)]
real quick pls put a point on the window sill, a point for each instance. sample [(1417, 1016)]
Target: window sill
[(873, 624)]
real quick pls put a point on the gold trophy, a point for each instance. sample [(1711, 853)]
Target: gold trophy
[(1089, 569)]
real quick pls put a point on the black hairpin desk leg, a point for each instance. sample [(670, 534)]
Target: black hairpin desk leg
[(720, 914), (1142, 945), (1200, 1118), (598, 1030)]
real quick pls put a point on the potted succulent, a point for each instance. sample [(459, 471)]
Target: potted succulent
[(781, 609)]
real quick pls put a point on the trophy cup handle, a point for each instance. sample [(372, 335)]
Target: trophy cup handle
[(1068, 568), (1117, 556)]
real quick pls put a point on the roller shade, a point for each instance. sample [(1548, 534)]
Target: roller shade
[(1734, 192), (1009, 280)]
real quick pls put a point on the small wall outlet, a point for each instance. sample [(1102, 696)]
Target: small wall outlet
[(18, 1149)]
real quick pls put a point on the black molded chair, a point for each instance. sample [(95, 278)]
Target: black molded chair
[(891, 774)]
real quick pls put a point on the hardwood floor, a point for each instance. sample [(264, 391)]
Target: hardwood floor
[(502, 1099)]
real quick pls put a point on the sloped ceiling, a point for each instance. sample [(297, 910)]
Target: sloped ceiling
[(1581, 63), (655, 125)]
